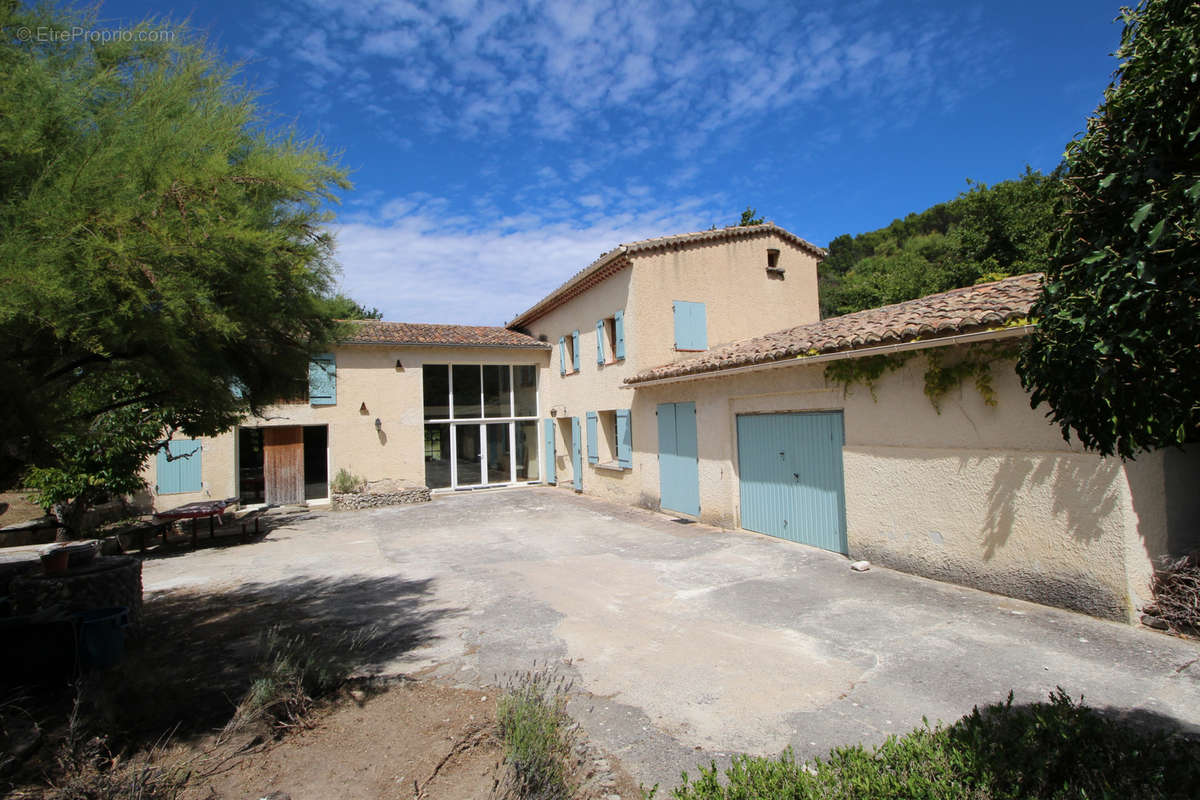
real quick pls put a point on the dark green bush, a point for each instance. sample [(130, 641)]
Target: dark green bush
[(1060, 750)]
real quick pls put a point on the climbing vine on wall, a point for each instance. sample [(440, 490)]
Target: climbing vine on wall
[(867, 370), (942, 374)]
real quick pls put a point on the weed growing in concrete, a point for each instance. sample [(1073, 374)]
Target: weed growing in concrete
[(1058, 750), (539, 737)]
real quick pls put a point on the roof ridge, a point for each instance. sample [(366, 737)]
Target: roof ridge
[(624, 249)]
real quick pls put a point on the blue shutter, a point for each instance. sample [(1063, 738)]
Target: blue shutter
[(619, 323), (690, 326), (600, 342), (562, 355), (624, 439), (181, 473), (550, 476), (322, 380), (575, 350), (576, 455), (699, 327), (593, 447)]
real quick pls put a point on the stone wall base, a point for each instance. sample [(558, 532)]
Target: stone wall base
[(360, 500)]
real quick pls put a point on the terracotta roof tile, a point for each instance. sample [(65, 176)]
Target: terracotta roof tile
[(946, 314), (658, 243), (414, 333)]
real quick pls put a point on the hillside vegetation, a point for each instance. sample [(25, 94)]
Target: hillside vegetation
[(986, 233)]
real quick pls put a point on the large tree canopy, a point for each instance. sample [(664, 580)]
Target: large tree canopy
[(162, 251), (987, 232), (1116, 354)]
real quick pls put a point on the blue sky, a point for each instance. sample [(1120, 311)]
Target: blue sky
[(496, 146)]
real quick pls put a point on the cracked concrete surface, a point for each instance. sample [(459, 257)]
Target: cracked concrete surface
[(691, 643)]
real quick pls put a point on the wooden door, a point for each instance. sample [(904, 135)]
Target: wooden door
[(283, 465)]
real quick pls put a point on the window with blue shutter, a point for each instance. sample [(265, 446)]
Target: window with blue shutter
[(562, 355), (180, 472), (322, 380), (592, 439), (619, 324), (624, 439), (691, 330), (575, 350), (600, 342)]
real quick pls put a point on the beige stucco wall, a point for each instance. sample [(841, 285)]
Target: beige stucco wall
[(364, 375), (741, 299), (990, 497)]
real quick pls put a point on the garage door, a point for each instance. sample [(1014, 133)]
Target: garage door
[(790, 472)]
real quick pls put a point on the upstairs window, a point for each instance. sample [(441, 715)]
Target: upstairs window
[(610, 339), (568, 353), (691, 326)]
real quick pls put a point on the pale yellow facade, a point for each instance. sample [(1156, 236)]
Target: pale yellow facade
[(741, 297), (986, 496), (370, 386), (982, 495)]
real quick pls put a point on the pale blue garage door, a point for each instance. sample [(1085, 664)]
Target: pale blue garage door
[(790, 471)]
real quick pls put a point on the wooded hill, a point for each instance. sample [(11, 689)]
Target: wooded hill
[(986, 233)]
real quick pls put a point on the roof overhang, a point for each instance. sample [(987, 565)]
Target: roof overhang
[(990, 335)]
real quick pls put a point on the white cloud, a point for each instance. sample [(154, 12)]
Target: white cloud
[(422, 267), (556, 70)]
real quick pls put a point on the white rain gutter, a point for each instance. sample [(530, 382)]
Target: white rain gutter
[(796, 361)]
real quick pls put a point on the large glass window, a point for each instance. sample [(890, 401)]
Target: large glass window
[(496, 401), (525, 390), (468, 451), (437, 456), (479, 429), (527, 450), (466, 391), (499, 456), (436, 380)]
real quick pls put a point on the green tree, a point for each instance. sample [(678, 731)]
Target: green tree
[(164, 263), (986, 233), (1116, 354), (749, 218), (342, 306)]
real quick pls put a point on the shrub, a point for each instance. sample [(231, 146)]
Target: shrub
[(538, 736), (346, 482), (293, 673), (1058, 750)]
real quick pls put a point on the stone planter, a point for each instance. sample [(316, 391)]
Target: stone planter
[(397, 496)]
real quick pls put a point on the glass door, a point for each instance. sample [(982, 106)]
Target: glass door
[(499, 453), (480, 424)]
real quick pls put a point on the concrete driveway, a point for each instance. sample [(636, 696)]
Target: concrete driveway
[(690, 643)]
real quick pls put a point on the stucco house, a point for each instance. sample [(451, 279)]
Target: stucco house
[(688, 374)]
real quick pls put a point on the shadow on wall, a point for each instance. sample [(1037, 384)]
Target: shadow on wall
[(199, 652), (1163, 486), (1082, 489)]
